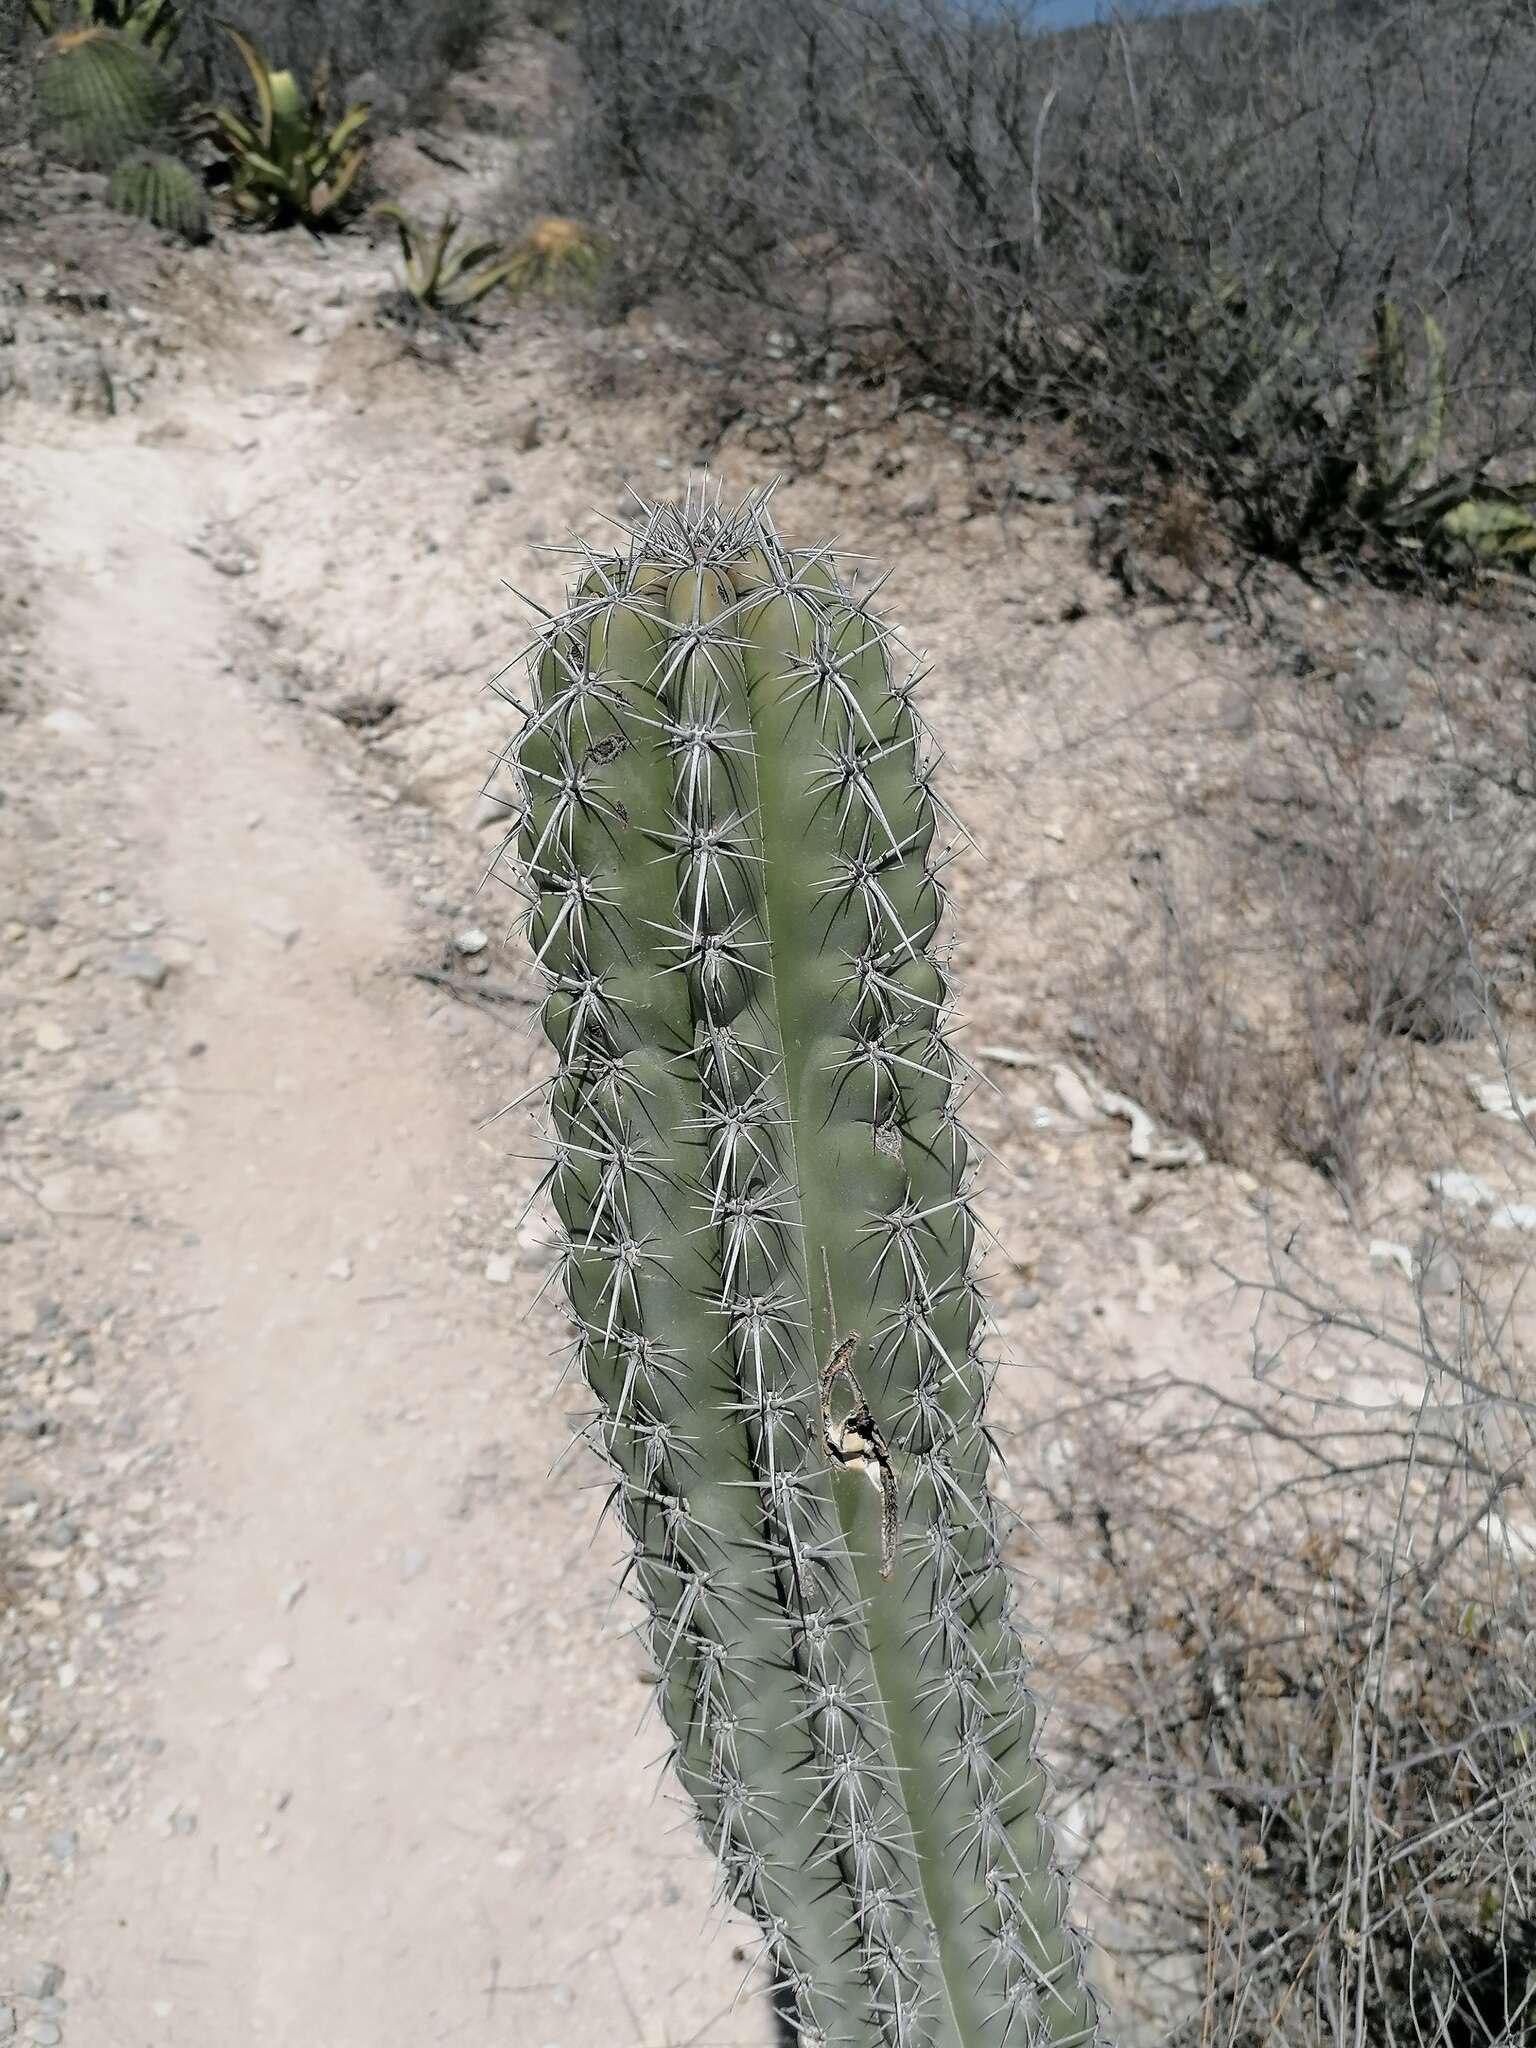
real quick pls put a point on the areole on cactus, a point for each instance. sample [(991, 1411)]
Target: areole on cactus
[(729, 836)]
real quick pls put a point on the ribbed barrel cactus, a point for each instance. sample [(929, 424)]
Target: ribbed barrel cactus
[(728, 836)]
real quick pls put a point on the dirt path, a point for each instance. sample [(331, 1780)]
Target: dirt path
[(394, 1789)]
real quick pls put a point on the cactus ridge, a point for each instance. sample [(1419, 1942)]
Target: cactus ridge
[(99, 94), (162, 190), (727, 843)]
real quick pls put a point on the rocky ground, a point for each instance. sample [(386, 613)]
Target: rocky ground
[(315, 1720)]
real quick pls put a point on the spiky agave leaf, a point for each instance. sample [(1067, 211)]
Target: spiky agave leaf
[(1400, 459), (1489, 529), (163, 190), (100, 94), (441, 273), (289, 165), (729, 840)]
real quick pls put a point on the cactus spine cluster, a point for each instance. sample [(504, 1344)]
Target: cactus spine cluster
[(729, 837)]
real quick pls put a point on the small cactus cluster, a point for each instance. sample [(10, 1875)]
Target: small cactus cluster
[(163, 190), (729, 839), (107, 100)]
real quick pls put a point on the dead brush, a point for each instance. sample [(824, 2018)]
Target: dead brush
[(1354, 891), (1164, 1011), (1299, 1627), (1180, 524)]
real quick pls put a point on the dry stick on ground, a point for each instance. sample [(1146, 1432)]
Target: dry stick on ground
[(483, 991)]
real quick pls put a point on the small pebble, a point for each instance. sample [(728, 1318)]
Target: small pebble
[(1442, 1274), (412, 1564), (138, 963), (339, 1269), (471, 941), (493, 810), (277, 926), (63, 1845), (265, 1666), (44, 2033), (52, 1037), (7, 2022), (498, 1269), (40, 1980)]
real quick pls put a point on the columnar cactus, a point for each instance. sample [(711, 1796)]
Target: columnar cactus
[(727, 834)]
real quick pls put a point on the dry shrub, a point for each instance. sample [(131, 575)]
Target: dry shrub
[(1296, 1670), (1179, 525), (1167, 1013), (409, 45), (1361, 887), (1172, 231)]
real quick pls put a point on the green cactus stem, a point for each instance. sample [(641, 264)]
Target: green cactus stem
[(729, 838), (99, 94), (163, 190)]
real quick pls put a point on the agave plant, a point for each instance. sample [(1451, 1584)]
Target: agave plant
[(154, 23), (1461, 519), (552, 255), (163, 190), (1490, 529), (441, 275), (289, 165), (1400, 455), (100, 94)]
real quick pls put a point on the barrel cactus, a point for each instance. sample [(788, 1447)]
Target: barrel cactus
[(162, 190), (99, 93), (728, 838)]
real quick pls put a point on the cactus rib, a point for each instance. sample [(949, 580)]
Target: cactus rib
[(99, 94), (727, 834), (162, 190)]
